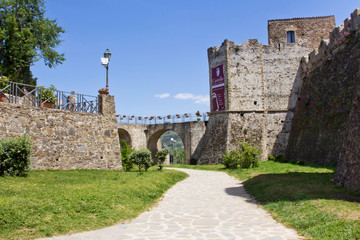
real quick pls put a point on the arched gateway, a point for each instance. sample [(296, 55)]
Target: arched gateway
[(147, 136)]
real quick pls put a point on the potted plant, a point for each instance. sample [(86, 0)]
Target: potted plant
[(104, 91), (3, 84), (47, 96)]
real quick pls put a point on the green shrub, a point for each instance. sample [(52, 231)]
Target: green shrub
[(249, 156), (301, 162), (161, 155), (231, 159), (15, 156), (293, 162), (245, 162), (281, 159), (246, 157), (271, 157), (278, 158), (125, 153), (141, 158)]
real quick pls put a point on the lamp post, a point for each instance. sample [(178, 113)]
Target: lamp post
[(172, 148), (105, 62)]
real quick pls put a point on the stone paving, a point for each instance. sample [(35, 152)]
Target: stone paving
[(206, 205)]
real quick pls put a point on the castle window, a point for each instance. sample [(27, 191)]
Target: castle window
[(290, 36)]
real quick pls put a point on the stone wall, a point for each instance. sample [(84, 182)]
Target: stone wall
[(64, 139), (348, 167), (214, 141), (326, 119), (133, 134), (147, 136), (107, 106), (308, 31)]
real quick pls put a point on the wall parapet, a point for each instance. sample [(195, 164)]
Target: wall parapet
[(161, 119), (337, 38), (39, 96), (299, 18)]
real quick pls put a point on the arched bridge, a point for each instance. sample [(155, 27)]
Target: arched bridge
[(147, 136)]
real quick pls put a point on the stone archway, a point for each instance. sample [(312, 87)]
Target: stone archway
[(154, 145), (123, 134), (147, 136)]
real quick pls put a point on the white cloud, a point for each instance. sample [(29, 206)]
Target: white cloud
[(184, 96), (202, 99), (198, 99), (161, 96)]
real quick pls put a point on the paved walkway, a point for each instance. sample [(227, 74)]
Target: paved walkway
[(206, 205)]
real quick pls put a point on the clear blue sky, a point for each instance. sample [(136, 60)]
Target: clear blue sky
[(159, 48)]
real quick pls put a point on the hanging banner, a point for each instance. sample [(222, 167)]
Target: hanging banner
[(218, 89)]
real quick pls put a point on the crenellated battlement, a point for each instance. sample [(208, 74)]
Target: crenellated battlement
[(327, 48), (271, 96), (254, 86)]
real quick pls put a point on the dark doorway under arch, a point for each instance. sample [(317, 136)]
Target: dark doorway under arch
[(123, 134)]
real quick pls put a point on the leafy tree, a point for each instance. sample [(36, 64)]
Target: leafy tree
[(26, 36), (125, 153), (179, 156), (161, 155), (141, 158)]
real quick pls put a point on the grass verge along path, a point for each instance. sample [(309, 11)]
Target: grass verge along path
[(47, 203), (301, 197)]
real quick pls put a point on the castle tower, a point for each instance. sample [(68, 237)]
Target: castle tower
[(307, 32), (254, 87)]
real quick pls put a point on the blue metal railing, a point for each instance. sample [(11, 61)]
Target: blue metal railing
[(38, 96), (177, 118)]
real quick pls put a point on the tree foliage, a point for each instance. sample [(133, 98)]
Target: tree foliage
[(179, 156), (141, 158), (26, 36), (161, 155), (126, 150)]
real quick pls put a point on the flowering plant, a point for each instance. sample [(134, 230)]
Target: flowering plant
[(4, 84), (104, 89), (47, 94)]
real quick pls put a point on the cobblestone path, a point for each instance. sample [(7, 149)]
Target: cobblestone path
[(206, 205)]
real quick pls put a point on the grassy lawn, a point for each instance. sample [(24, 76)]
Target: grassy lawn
[(302, 197), (47, 203)]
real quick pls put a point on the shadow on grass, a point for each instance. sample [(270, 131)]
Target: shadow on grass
[(240, 192), (267, 188)]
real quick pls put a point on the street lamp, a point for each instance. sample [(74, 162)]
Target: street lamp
[(172, 148), (105, 62)]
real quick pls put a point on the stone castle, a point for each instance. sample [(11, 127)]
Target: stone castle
[(302, 107), (269, 95), (261, 86)]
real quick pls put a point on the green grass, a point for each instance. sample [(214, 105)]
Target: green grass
[(218, 167), (266, 167), (303, 198), (47, 203)]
